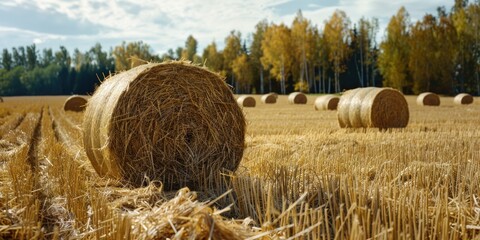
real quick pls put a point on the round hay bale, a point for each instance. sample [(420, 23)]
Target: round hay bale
[(297, 98), (428, 99), (269, 98), (326, 102), (274, 93), (463, 98), (347, 104), (373, 107), (246, 101), (172, 122), (1, 99), (75, 103)]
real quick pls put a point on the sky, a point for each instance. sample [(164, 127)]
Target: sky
[(165, 24)]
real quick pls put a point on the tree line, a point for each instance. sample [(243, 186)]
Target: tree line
[(439, 53)]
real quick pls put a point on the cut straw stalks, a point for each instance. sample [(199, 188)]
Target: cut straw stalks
[(373, 107), (246, 101), (269, 98), (463, 99), (171, 122), (428, 99), (75, 103), (326, 102), (297, 98)]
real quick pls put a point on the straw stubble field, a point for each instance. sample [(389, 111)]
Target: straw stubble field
[(302, 176)]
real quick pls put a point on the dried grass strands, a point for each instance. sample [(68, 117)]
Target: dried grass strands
[(428, 99), (75, 103), (184, 217), (297, 98), (463, 98), (173, 122), (246, 101), (269, 98), (326, 102), (373, 107)]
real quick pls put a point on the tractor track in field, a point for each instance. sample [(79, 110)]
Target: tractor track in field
[(74, 149), (60, 134), (35, 143), (39, 167)]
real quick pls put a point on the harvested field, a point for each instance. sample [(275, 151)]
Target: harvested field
[(301, 176)]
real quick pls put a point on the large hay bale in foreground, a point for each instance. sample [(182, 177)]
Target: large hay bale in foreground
[(269, 98), (173, 122), (246, 101), (428, 99), (75, 103), (297, 98), (463, 98), (326, 102), (373, 107)]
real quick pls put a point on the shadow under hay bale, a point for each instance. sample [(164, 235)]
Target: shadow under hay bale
[(75, 103), (269, 98), (297, 98), (246, 101), (373, 107), (173, 122), (428, 99), (463, 98), (326, 102)]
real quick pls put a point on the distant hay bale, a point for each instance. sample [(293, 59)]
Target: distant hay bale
[(373, 107), (463, 98), (428, 99), (326, 102), (273, 93), (269, 98), (75, 103), (172, 122), (297, 98), (246, 101), (1, 99)]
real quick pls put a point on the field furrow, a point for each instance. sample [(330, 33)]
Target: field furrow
[(23, 208)]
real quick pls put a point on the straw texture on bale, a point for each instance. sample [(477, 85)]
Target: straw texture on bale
[(326, 102), (75, 103), (173, 122), (297, 98), (463, 98), (373, 107), (428, 99), (269, 98), (246, 101)]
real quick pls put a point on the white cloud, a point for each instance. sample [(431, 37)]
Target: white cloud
[(167, 23), (9, 31), (38, 41), (380, 9)]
